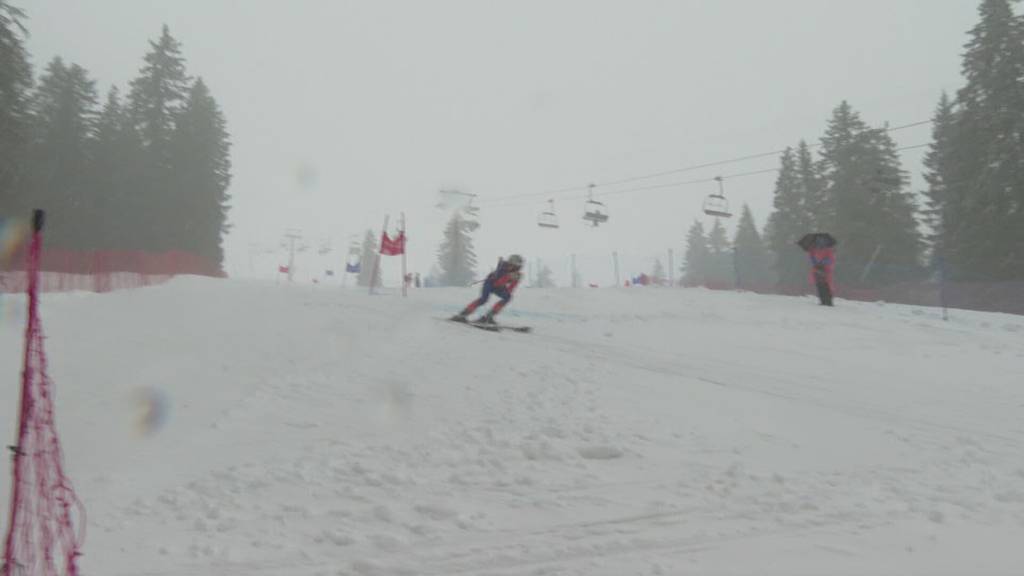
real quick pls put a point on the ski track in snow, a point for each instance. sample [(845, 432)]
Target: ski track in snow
[(314, 431)]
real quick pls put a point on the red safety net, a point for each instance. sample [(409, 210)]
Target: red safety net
[(42, 539), (67, 270)]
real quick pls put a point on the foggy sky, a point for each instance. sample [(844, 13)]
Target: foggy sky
[(342, 111)]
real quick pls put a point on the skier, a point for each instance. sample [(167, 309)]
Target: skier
[(502, 282)]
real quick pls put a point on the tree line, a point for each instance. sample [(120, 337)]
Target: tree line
[(144, 170), (968, 224)]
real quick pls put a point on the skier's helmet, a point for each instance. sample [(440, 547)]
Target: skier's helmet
[(516, 261)]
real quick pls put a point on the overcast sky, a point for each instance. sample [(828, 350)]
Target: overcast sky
[(342, 112)]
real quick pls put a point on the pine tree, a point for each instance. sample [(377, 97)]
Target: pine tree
[(158, 94), (115, 176), (868, 211), (790, 220), (15, 87), (721, 270), (456, 256), (64, 126), (658, 273), (368, 261), (697, 258), (718, 242), (815, 213), (843, 149), (106, 178), (156, 98), (753, 261), (939, 212), (202, 172), (544, 279), (896, 225), (986, 160)]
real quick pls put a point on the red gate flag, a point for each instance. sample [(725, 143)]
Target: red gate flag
[(389, 247), (282, 269)]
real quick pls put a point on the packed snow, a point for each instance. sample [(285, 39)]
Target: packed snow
[(304, 430)]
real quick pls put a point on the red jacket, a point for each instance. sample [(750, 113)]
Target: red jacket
[(504, 278), (824, 258)]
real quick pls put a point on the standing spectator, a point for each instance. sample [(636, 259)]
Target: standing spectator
[(820, 248)]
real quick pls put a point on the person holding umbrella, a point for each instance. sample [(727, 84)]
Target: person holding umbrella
[(820, 248)]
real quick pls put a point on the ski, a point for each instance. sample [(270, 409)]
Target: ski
[(491, 327), (500, 327)]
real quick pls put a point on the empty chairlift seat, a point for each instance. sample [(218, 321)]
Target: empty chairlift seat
[(548, 218), (716, 204)]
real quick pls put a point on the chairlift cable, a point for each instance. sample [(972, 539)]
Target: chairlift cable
[(738, 159), (681, 183)]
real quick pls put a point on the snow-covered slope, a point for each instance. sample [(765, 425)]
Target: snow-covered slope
[(321, 431)]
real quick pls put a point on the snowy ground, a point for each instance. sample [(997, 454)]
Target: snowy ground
[(320, 431)]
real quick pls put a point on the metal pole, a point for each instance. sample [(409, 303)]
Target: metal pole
[(870, 264), (405, 284), (292, 236), (291, 258), (376, 259), (344, 270), (615, 259), (942, 288), (671, 268), (575, 280), (736, 267)]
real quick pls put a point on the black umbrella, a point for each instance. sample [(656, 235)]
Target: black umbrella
[(817, 240)]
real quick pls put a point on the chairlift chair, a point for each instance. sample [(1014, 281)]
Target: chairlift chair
[(593, 211), (716, 204), (548, 218)]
